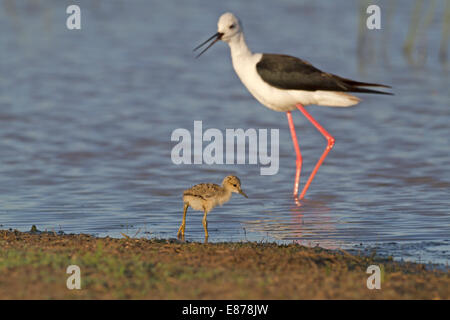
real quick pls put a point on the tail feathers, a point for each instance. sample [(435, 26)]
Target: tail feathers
[(354, 83), (364, 90), (355, 86)]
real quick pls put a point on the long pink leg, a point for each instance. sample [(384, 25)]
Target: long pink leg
[(330, 145), (297, 151)]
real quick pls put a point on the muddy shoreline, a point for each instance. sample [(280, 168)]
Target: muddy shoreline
[(33, 266)]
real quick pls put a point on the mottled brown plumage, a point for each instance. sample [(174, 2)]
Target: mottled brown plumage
[(203, 190), (205, 196)]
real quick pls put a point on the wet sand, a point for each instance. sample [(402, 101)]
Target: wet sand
[(33, 266)]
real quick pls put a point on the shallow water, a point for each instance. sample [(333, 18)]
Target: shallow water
[(86, 119)]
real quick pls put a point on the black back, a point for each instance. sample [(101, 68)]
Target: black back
[(290, 73)]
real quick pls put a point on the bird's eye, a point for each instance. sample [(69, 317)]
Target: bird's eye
[(234, 185), (232, 26)]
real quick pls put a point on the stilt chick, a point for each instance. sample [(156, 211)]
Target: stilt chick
[(205, 196)]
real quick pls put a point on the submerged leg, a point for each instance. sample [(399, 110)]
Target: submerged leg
[(205, 225), (330, 145), (183, 223), (297, 151)]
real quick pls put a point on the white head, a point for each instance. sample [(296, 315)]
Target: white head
[(229, 27)]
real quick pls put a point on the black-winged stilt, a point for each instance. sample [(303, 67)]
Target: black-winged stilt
[(285, 83)]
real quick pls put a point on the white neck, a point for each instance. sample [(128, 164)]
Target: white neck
[(239, 47)]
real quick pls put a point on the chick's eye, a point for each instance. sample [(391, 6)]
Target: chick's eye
[(232, 26)]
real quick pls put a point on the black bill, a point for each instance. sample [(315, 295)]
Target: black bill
[(216, 38)]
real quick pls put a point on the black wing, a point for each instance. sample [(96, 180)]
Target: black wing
[(290, 73)]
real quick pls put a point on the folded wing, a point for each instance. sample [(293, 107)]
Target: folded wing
[(290, 73)]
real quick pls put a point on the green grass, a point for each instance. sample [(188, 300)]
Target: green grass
[(34, 266)]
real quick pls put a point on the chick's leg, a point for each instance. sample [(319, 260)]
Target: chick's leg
[(205, 225), (183, 223)]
